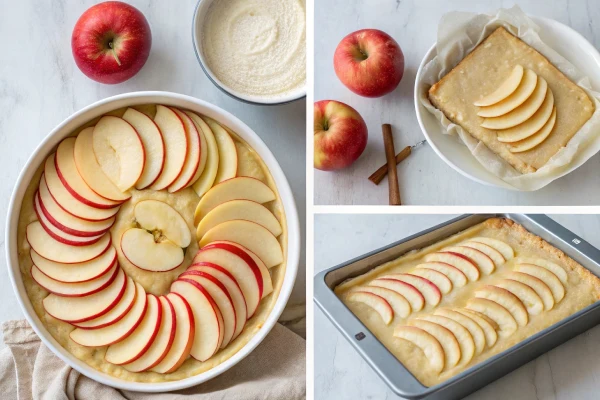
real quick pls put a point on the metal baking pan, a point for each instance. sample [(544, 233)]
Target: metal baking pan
[(387, 366)]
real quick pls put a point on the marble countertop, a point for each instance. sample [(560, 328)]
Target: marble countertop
[(40, 86), (566, 372), (424, 177)]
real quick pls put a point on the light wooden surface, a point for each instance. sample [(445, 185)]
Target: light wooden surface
[(567, 372), (424, 177)]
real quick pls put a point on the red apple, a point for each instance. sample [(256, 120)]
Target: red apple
[(369, 62), (340, 135), (111, 42)]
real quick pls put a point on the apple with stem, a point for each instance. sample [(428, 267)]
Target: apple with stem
[(111, 42)]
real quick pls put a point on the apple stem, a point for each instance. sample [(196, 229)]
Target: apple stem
[(110, 44)]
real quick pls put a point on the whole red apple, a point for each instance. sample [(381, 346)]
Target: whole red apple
[(369, 62), (111, 42), (340, 135)]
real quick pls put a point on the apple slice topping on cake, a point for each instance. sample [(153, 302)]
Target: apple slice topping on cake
[(503, 248), (455, 275), (483, 262), (75, 289), (431, 347), (191, 166), (228, 159), (446, 339), (540, 288), (400, 306), (79, 272), (496, 312), (462, 335), (530, 299), (411, 294), (430, 291), (176, 146), (463, 263), (549, 278), (507, 300), (210, 165), (474, 329)]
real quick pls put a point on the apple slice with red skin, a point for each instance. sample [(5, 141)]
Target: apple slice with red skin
[(141, 250), (411, 293), (446, 338), (79, 309), (70, 273), (66, 169), (222, 298), (458, 278), (431, 347), (209, 166), (375, 302), (486, 325), (556, 269), (428, 289), (462, 335), (228, 159), (208, 322), (545, 275), (192, 157), (160, 346), (540, 288), (491, 252), (201, 128), (507, 300), (474, 329), (176, 146), (184, 336), (66, 222), (532, 302), (158, 215), (465, 264), (116, 313), (437, 278), (399, 304), (483, 262), (496, 312), (53, 250), (75, 289), (237, 297), (504, 248), (118, 330)]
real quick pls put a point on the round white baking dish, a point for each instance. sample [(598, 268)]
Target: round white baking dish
[(199, 14), (93, 111), (566, 41)]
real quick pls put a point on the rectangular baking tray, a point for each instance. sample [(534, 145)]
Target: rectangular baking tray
[(387, 366)]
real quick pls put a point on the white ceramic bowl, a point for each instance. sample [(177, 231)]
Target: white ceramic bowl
[(199, 15), (567, 42), (93, 111)]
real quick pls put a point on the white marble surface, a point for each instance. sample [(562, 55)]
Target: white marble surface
[(40, 85), (424, 178), (569, 371)]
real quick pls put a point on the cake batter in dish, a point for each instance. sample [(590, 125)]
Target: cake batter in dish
[(520, 286), (257, 47)]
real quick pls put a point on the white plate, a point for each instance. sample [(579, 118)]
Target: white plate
[(567, 42), (91, 112)]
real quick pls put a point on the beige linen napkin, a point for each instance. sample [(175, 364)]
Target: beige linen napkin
[(29, 370)]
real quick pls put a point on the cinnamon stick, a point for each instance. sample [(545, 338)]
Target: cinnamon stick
[(388, 142), (377, 176)]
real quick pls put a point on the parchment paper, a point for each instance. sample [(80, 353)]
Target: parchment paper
[(458, 34)]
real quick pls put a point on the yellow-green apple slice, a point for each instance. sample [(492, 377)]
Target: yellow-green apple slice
[(481, 260), (53, 250), (192, 157), (228, 158), (410, 293), (155, 215), (462, 335), (135, 345), (468, 323), (456, 276), (428, 289), (233, 288), (239, 209), (377, 303), (66, 222), (429, 345), (549, 278), (504, 248), (496, 312), (119, 151), (457, 260), (119, 329), (81, 272), (208, 322), (66, 200), (203, 148), (176, 146), (79, 309), (246, 272), (399, 304), (154, 146), (75, 289), (488, 250), (444, 337), (116, 313), (222, 299), (556, 269), (206, 180), (58, 234), (537, 138), (252, 236), (510, 84), (73, 181), (184, 336), (160, 346), (530, 299), (521, 113), (440, 280), (532, 125), (141, 249), (516, 98), (90, 170), (540, 288), (240, 188), (507, 300), (487, 325)]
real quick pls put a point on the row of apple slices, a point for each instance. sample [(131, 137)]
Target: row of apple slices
[(448, 339), (454, 266)]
